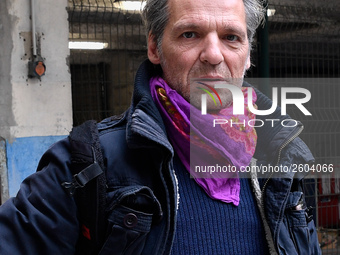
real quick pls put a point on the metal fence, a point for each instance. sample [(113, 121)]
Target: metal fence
[(102, 80), (304, 47)]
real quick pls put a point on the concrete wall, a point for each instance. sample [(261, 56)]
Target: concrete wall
[(33, 113)]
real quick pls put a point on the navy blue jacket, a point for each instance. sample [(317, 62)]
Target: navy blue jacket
[(141, 184)]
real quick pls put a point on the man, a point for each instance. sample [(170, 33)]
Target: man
[(153, 206)]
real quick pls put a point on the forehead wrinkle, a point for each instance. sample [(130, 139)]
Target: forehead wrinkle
[(182, 25), (197, 23)]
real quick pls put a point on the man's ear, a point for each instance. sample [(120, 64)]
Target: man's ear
[(248, 63), (153, 53)]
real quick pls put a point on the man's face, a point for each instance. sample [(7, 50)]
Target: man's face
[(203, 39)]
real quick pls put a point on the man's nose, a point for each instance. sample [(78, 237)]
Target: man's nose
[(211, 51)]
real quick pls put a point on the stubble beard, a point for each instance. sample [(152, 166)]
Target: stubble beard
[(192, 94)]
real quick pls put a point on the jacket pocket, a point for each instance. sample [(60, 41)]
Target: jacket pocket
[(297, 236), (131, 212)]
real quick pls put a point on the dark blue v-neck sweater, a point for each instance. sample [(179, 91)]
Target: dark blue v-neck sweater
[(206, 226)]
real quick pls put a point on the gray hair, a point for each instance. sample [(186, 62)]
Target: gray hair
[(155, 16)]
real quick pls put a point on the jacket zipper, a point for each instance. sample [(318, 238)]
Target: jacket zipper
[(278, 160), (166, 168), (279, 156)]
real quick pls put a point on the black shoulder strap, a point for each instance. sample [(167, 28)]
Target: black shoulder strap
[(88, 186)]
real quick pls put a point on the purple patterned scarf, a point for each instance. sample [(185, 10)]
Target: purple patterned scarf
[(200, 146)]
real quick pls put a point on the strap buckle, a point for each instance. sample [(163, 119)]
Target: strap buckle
[(82, 178)]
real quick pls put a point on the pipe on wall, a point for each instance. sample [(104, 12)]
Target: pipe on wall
[(34, 38)]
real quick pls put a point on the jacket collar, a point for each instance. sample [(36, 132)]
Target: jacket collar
[(144, 122)]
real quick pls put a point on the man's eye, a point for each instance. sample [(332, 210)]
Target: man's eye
[(189, 35), (232, 38)]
